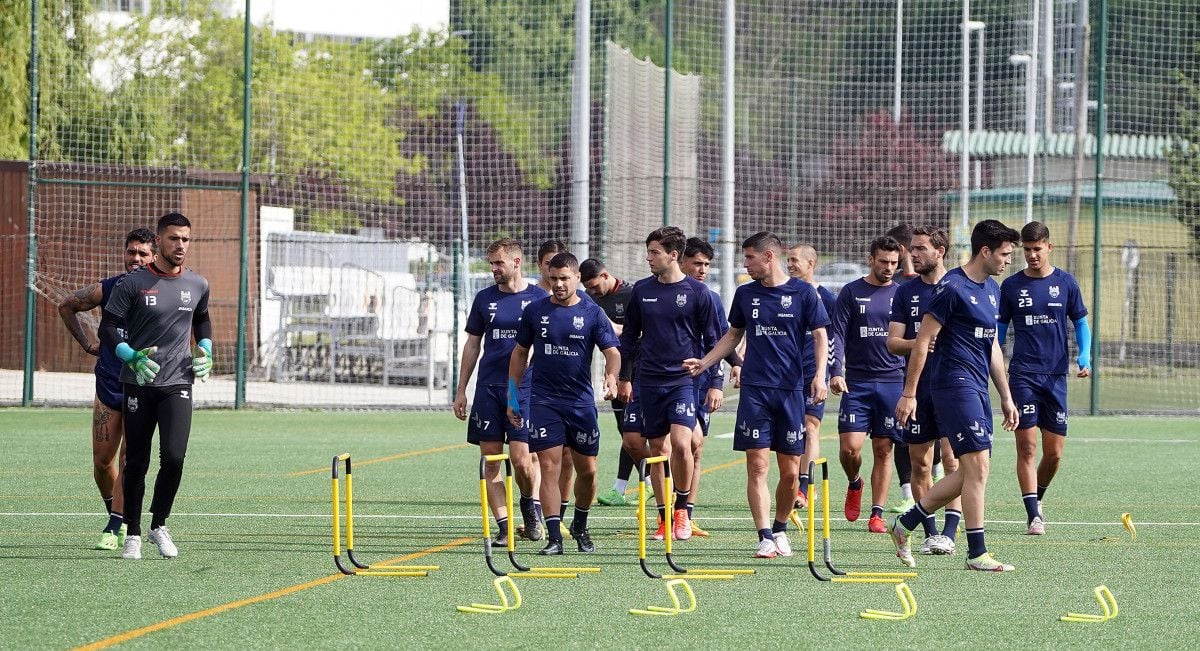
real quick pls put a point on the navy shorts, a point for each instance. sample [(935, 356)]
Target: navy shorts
[(109, 390), (923, 428), (488, 420), (658, 408), (814, 409), (1041, 400), (964, 415), (770, 418), (703, 415), (871, 407), (631, 418), (555, 424)]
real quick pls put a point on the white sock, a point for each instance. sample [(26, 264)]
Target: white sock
[(906, 491), (619, 485)]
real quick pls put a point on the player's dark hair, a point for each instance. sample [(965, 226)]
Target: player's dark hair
[(589, 269), (902, 234), (885, 243), (992, 234), (564, 260), (551, 246), (1035, 232), (172, 219), (506, 244), (763, 240), (143, 235), (696, 246), (670, 237), (937, 236)]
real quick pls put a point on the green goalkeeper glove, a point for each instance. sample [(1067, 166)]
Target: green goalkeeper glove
[(202, 359), (144, 368)]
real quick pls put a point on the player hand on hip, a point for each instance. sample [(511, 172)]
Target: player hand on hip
[(144, 368), (202, 359)]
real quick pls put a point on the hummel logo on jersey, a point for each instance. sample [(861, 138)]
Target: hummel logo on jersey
[(1054, 291), (916, 298), (492, 306), (754, 301), (185, 296), (681, 299), (785, 301), (577, 322), (649, 300), (545, 319), (184, 394), (973, 301), (1024, 293)]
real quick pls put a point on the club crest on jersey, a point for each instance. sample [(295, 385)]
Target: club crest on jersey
[(1054, 291), (992, 298), (523, 304), (577, 322), (132, 403), (185, 295), (619, 308), (681, 299), (785, 301)]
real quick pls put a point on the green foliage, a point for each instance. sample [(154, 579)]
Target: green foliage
[(1184, 159), (14, 57)]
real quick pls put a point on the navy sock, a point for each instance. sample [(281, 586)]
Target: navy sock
[(950, 526), (804, 481), (1031, 509), (537, 508), (1041, 491), (114, 522), (778, 527), (690, 508), (502, 526), (857, 484), (975, 544), (662, 513), (552, 528), (107, 504), (579, 522), (563, 506), (930, 523), (876, 510), (914, 516), (765, 534)]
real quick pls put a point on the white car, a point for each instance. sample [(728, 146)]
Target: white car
[(833, 275)]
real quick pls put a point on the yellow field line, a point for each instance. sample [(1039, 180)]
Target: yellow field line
[(216, 610), (727, 464), (393, 457)]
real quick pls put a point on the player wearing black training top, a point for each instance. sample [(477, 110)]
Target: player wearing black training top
[(162, 305)]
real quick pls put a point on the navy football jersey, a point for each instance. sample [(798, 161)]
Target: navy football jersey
[(776, 321), (861, 321), (1040, 310), (494, 317), (834, 349), (666, 323), (562, 339), (967, 311), (108, 364)]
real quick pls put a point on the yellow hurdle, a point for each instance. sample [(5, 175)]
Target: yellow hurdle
[(908, 607), (676, 606), (1108, 606), (504, 606), (357, 567)]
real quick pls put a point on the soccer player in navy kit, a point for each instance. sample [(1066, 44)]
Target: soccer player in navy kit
[(802, 264), (710, 387), (612, 295), (671, 317), (927, 251), (108, 425), (962, 317), (773, 313), (161, 307), (562, 330), (1039, 302), (492, 328), (872, 381)]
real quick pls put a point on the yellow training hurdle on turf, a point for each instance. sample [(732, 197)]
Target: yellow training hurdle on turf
[(908, 606), (491, 609), (839, 575), (700, 574), (1108, 606), (359, 568), (676, 606)]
